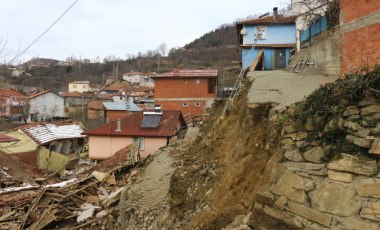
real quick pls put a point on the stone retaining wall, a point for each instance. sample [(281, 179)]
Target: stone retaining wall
[(310, 191)]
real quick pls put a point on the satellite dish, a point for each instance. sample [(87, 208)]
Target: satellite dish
[(243, 31)]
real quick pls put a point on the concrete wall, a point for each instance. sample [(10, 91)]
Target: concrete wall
[(79, 87), (360, 36), (152, 144), (276, 34), (324, 52), (178, 104), (102, 147)]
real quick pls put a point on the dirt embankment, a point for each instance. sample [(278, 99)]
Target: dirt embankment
[(217, 177)]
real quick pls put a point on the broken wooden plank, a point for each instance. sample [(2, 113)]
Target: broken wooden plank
[(7, 215)]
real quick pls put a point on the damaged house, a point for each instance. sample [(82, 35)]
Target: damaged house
[(50, 147), (152, 130)]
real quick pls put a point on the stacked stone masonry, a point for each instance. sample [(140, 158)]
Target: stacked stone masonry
[(308, 191)]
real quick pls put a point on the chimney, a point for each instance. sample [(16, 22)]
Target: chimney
[(118, 127), (275, 13), (176, 72)]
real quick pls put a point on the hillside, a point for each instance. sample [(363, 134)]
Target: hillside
[(216, 49)]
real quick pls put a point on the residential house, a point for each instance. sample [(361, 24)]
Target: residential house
[(123, 92), (75, 102), (152, 130), (45, 105), (48, 146), (79, 86), (95, 110), (12, 102), (359, 34), (119, 109), (274, 34), (133, 76), (191, 91)]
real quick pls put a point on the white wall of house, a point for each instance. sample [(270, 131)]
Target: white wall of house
[(133, 78), (46, 106), (81, 87)]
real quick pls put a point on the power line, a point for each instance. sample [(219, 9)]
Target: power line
[(38, 38)]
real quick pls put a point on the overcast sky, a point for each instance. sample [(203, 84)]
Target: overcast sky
[(99, 28)]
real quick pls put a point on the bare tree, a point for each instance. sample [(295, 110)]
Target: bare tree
[(162, 49)]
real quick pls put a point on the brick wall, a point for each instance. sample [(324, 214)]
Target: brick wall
[(181, 88), (354, 9), (360, 34), (178, 105)]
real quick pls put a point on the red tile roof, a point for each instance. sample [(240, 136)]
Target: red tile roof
[(38, 94), (134, 73), (189, 73), (10, 92), (131, 126), (281, 19), (72, 94)]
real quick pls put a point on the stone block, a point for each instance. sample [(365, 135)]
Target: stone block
[(371, 109), (340, 176), (281, 202), (350, 111), (265, 196), (310, 214), (303, 166), (282, 216), (335, 199), (315, 155), (352, 223), (363, 133), (372, 211), (369, 189), (353, 126), (301, 136), (291, 186), (289, 129), (287, 141), (362, 142), (361, 165), (375, 147), (294, 155)]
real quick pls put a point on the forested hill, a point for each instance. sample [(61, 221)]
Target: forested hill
[(215, 49)]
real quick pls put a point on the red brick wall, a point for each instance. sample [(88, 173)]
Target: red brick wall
[(354, 9), (177, 105), (360, 46), (178, 88)]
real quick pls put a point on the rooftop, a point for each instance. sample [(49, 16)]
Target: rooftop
[(73, 94), (45, 133), (121, 106), (189, 73), (80, 82), (38, 94), (10, 92), (97, 105), (132, 126), (281, 19)]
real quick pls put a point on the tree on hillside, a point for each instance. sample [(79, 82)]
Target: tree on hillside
[(162, 49)]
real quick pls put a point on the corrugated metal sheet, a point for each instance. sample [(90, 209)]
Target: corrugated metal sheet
[(44, 133), (121, 106)]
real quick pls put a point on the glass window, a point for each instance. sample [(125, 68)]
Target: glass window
[(141, 142), (197, 104), (185, 104), (197, 81)]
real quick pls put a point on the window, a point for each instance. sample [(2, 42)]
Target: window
[(197, 81), (261, 32), (197, 104), (74, 86), (84, 86), (141, 142), (185, 104)]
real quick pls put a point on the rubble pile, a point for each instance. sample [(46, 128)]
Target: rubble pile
[(74, 204), (329, 175)]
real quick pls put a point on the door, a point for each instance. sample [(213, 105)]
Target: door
[(279, 58)]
